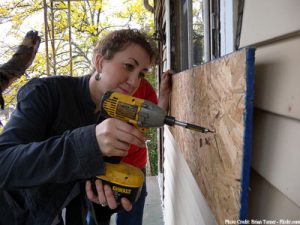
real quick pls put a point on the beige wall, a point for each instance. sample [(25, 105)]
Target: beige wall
[(266, 202), (267, 19), (278, 77), (273, 25), (276, 152)]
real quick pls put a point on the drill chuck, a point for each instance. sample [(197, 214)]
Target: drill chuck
[(169, 120)]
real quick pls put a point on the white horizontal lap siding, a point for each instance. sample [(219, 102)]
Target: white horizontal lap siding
[(180, 211), (273, 26), (277, 77), (276, 152), (267, 19), (183, 203), (268, 203)]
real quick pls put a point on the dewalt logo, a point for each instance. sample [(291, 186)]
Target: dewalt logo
[(121, 190)]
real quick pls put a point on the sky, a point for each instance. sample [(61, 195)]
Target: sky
[(36, 22), (7, 39)]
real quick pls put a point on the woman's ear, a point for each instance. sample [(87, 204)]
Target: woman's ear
[(98, 63)]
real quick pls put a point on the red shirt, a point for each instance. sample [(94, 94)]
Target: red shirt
[(138, 156)]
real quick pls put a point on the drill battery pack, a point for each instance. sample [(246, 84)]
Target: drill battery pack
[(125, 180)]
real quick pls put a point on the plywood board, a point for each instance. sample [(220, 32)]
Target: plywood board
[(218, 95), (268, 19)]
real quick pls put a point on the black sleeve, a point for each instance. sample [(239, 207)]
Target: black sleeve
[(28, 158)]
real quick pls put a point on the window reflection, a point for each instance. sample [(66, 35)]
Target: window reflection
[(198, 32)]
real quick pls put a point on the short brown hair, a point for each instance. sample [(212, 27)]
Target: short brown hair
[(118, 40)]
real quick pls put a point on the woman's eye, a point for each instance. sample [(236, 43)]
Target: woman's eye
[(128, 67)]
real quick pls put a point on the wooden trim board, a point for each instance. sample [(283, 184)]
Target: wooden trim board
[(218, 95)]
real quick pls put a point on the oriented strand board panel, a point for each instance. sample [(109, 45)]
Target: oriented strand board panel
[(267, 19), (218, 95)]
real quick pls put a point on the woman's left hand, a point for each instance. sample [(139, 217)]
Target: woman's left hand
[(104, 196), (165, 90)]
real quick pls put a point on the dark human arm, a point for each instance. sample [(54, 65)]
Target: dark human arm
[(19, 62), (30, 156)]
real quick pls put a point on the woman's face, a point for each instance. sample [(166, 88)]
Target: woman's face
[(122, 72)]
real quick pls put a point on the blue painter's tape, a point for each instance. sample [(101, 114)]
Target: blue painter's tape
[(248, 122)]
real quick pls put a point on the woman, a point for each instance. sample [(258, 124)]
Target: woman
[(53, 143), (135, 59)]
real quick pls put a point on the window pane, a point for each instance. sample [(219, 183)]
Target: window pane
[(198, 32)]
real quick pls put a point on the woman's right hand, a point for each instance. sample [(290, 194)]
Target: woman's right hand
[(115, 137)]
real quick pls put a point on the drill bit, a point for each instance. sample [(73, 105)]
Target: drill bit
[(170, 120), (193, 127)]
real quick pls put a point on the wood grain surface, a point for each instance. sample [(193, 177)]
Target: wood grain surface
[(217, 95)]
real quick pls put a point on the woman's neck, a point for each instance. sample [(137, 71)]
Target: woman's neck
[(95, 91)]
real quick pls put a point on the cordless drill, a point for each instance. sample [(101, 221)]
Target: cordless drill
[(124, 179), (140, 113)]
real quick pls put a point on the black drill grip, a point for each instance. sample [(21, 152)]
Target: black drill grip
[(112, 159)]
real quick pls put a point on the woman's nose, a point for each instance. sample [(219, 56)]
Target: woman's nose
[(133, 80)]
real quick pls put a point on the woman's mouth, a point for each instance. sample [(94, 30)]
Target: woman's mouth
[(124, 91)]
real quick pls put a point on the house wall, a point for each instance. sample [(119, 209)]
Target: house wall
[(273, 26), (183, 202)]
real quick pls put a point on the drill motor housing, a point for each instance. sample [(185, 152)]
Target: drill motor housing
[(138, 112)]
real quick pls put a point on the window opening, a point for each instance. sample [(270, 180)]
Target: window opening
[(197, 32)]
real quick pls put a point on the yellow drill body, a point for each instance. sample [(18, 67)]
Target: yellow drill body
[(127, 180)]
